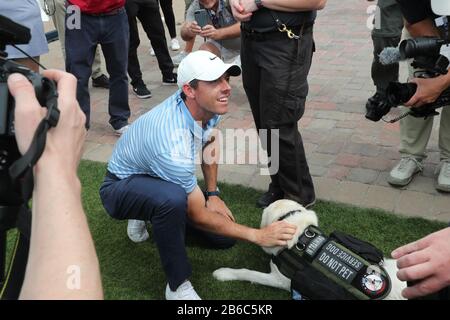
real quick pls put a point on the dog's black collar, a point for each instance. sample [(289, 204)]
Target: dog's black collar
[(290, 213)]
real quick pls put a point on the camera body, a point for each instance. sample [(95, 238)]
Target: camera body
[(427, 57), (41, 88), (45, 89)]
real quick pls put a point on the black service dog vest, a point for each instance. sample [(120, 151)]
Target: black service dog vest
[(339, 267)]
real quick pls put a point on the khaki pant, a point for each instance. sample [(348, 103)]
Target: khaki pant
[(59, 20), (415, 132)]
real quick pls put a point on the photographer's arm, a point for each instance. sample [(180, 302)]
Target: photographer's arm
[(428, 90), (427, 261), (62, 262)]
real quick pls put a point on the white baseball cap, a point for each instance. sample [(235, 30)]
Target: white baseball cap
[(204, 65), (441, 7)]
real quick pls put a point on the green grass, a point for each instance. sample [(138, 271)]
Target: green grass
[(133, 271)]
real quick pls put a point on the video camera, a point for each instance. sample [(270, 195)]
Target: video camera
[(427, 55)]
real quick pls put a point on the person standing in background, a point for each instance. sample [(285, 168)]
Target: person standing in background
[(169, 18), (57, 10)]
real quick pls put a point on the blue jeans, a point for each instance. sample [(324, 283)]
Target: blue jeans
[(164, 204), (111, 32)]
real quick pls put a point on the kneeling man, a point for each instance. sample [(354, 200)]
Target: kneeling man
[(151, 173)]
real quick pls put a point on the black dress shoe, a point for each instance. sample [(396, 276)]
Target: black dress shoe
[(101, 82), (269, 197)]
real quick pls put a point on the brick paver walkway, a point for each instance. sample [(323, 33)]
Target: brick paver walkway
[(349, 156)]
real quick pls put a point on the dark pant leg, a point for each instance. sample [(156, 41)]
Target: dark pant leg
[(134, 68), (381, 74), (115, 41), (80, 47), (285, 65), (151, 22), (251, 79), (169, 16), (386, 33), (143, 197)]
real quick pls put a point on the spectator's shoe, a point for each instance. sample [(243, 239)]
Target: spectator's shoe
[(443, 181), (141, 91), (178, 58), (184, 292), (404, 171), (152, 52), (174, 44), (267, 198), (170, 80), (122, 130), (101, 82), (136, 230)]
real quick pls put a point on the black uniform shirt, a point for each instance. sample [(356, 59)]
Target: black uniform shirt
[(416, 10), (263, 21)]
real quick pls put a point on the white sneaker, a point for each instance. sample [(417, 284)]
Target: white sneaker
[(152, 52), (177, 59), (184, 292), (174, 44), (122, 130), (443, 181), (136, 230), (404, 171)]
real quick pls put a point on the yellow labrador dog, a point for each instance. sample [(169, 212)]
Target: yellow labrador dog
[(302, 218)]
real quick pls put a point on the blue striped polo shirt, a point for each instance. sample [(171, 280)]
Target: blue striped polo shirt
[(162, 143)]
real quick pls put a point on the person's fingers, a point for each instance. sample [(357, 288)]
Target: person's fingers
[(286, 236), (413, 258), (230, 214), (410, 247), (282, 243), (27, 113), (289, 226), (423, 288), (23, 92), (67, 83), (412, 102), (415, 272)]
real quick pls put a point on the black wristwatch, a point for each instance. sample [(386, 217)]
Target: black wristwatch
[(259, 4), (212, 193)]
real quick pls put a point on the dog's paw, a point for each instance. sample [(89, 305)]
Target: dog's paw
[(224, 274)]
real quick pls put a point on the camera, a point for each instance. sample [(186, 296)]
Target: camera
[(13, 33), (427, 57)]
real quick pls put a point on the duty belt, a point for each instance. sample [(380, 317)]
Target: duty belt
[(278, 34)]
